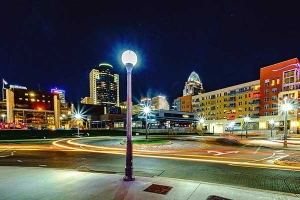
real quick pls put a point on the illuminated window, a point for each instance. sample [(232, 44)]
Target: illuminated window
[(278, 81), (26, 94), (26, 99), (32, 99), (38, 100), (20, 98), (273, 82), (267, 81), (43, 100), (274, 113)]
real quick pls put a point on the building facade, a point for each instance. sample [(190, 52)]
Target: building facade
[(160, 103), (229, 103), (283, 76)]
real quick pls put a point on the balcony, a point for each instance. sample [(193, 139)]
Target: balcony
[(254, 102), (244, 90), (231, 106), (231, 99), (231, 93)]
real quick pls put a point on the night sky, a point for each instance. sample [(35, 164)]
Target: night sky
[(46, 44)]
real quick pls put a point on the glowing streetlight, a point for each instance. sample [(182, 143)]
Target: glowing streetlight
[(246, 120), (78, 118), (271, 122), (285, 107), (146, 110), (231, 126), (3, 116), (201, 122), (129, 59)]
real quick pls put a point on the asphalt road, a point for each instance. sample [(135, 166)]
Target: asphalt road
[(235, 169)]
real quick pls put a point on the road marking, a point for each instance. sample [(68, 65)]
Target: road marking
[(19, 160), (217, 153), (43, 165), (257, 149)]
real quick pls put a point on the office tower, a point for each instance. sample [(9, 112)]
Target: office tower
[(193, 86), (104, 86), (61, 94)]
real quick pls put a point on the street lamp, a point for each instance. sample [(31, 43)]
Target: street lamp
[(285, 107), (201, 121), (231, 126), (78, 117), (129, 59), (3, 116), (146, 110), (271, 122), (246, 120)]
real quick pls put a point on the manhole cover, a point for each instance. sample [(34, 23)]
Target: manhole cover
[(214, 197), (159, 189)]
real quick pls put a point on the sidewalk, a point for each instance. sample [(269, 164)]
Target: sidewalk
[(43, 183)]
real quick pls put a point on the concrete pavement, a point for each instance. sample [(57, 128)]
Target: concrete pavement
[(43, 183)]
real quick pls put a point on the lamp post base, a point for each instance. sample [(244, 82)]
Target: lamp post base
[(128, 174), (128, 178)]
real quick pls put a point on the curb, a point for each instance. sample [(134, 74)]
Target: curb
[(289, 163)]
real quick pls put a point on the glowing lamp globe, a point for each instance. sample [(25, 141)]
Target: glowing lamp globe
[(78, 116), (129, 57), (201, 120), (287, 107), (246, 119), (146, 110)]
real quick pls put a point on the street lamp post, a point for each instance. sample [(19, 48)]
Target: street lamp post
[(285, 107), (129, 59), (231, 127), (146, 111), (246, 119), (78, 117), (271, 122), (201, 120)]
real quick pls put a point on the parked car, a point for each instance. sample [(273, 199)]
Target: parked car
[(81, 134), (32, 128)]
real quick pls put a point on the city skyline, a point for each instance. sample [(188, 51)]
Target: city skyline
[(56, 44)]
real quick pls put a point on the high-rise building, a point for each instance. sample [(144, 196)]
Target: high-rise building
[(61, 94), (104, 86), (193, 86)]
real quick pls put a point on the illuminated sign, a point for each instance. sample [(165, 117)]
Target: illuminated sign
[(18, 87)]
